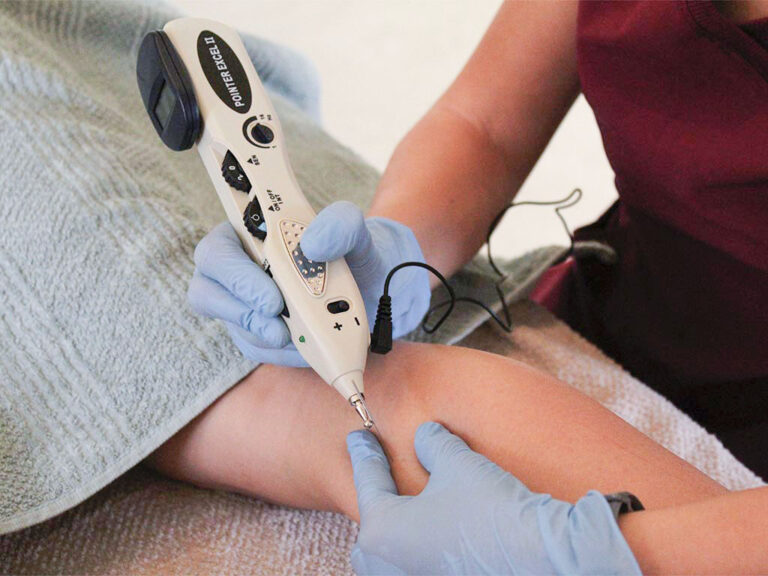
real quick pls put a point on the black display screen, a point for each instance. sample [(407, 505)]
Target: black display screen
[(167, 91), (165, 104)]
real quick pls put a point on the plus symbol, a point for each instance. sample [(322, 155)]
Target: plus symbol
[(337, 326)]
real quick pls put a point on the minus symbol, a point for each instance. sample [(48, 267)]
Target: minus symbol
[(357, 321)]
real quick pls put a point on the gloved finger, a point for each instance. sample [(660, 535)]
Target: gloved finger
[(435, 444), (271, 333), (372, 475), (440, 451), (447, 457), (220, 257), (286, 356), (209, 298), (338, 230), (409, 316), (369, 564)]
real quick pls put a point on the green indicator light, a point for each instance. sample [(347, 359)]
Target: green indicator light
[(302, 339)]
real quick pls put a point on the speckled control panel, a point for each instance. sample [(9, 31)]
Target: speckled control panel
[(313, 273)]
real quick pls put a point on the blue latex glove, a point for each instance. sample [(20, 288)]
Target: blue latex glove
[(474, 518), (372, 247), (228, 285)]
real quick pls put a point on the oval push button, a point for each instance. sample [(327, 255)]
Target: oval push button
[(338, 306)]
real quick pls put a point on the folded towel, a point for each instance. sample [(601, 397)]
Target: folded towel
[(146, 524)]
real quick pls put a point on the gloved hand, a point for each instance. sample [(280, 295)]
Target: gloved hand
[(372, 247), (474, 518), (228, 285)]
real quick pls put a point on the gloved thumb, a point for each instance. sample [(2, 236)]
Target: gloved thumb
[(338, 230), (434, 445), (373, 479), (447, 458)]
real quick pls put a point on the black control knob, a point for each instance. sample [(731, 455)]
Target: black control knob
[(262, 133), (234, 174), (253, 218)]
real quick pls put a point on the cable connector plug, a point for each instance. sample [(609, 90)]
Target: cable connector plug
[(381, 337)]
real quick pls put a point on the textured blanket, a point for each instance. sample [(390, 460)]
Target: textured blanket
[(101, 359)]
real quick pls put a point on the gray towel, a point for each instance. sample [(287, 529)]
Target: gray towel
[(101, 359)]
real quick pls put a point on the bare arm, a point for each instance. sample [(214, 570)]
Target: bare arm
[(723, 535), (471, 152), (280, 434)]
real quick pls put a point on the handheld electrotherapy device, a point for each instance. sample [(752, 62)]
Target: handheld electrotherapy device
[(200, 87)]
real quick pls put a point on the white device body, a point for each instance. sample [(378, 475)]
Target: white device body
[(335, 345)]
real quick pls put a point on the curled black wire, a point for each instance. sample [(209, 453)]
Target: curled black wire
[(506, 323)]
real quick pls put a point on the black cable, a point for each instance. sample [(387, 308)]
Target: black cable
[(576, 193), (450, 303), (381, 337)]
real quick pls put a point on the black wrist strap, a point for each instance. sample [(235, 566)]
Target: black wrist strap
[(623, 502)]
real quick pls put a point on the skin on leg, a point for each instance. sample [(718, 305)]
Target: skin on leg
[(280, 433)]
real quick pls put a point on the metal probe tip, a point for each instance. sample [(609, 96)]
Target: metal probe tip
[(358, 402)]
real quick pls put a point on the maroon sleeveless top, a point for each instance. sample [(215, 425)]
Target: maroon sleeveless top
[(680, 94)]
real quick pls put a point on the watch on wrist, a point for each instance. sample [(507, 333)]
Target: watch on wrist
[(623, 503)]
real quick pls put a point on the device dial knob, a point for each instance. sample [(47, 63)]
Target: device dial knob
[(253, 218), (262, 133), (233, 173)]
